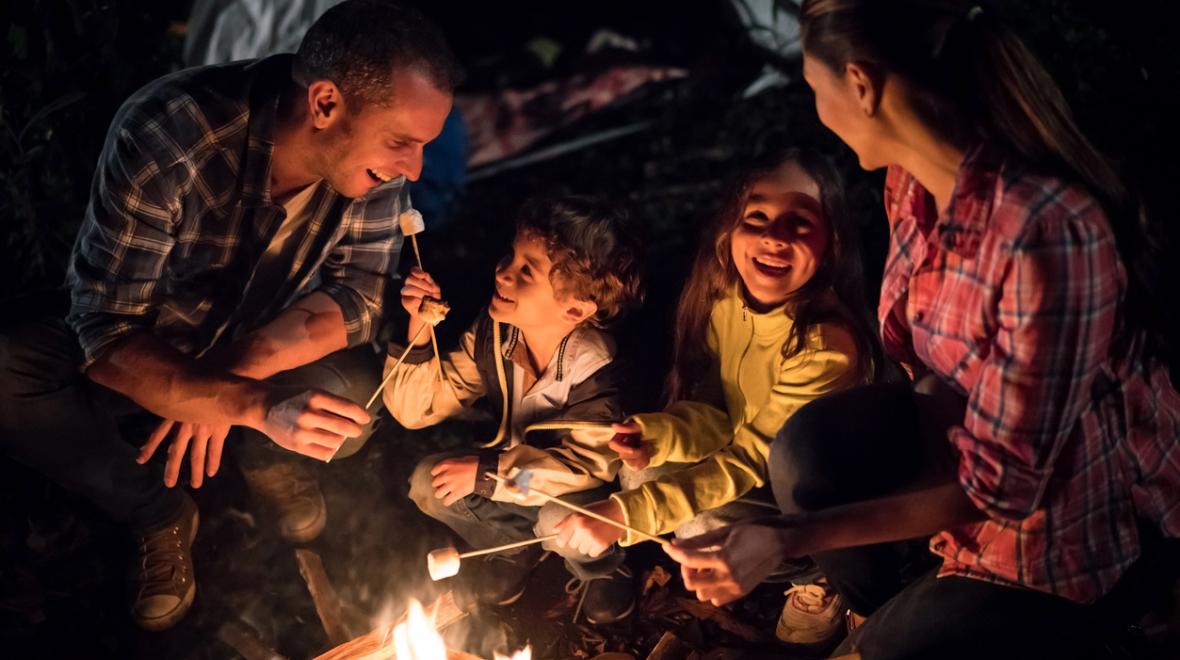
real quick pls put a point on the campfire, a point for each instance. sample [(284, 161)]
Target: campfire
[(414, 637)]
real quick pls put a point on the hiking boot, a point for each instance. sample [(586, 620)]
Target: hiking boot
[(497, 579), (610, 598), (812, 615), (163, 583), (292, 492)]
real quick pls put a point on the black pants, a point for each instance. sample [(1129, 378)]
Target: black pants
[(885, 439), (55, 420)]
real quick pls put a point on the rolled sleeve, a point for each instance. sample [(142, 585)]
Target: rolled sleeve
[(1056, 316), (359, 265), (122, 246)]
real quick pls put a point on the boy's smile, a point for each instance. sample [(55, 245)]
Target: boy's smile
[(524, 294)]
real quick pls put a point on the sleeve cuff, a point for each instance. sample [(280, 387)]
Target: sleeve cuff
[(489, 461), (417, 355), (633, 515), (655, 429), (995, 482), (358, 318)]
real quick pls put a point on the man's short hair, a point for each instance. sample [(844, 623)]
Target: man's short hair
[(595, 256), (358, 44)]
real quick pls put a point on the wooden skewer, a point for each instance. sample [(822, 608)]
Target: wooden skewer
[(507, 546), (433, 338), (409, 347), (584, 511)]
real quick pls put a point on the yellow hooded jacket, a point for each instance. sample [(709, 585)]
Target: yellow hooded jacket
[(731, 447)]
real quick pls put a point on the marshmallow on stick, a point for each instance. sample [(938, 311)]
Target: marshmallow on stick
[(444, 562), (432, 311), (412, 224)]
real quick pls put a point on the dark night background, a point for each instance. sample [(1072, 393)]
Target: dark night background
[(66, 67)]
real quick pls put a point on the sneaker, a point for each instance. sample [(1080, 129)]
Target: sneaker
[(163, 582), (611, 598), (497, 579), (292, 492), (812, 615)]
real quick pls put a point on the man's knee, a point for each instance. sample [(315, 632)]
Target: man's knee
[(38, 357)]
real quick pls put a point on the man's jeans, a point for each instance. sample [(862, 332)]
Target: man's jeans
[(57, 421), (483, 523)]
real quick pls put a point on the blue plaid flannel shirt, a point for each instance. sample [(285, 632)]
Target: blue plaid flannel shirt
[(180, 214)]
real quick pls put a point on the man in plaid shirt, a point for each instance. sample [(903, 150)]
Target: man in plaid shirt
[(230, 272)]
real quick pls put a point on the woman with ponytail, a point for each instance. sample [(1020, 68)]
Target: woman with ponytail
[(1039, 447)]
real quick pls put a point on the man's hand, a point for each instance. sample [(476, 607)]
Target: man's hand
[(206, 445), (589, 536), (454, 478), (722, 565), (313, 423), (418, 284), (636, 453)]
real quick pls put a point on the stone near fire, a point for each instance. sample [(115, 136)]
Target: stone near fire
[(442, 563)]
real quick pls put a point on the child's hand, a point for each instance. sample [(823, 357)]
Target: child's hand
[(454, 478), (629, 445), (587, 535), (419, 283)]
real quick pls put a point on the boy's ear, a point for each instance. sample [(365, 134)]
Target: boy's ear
[(577, 311)]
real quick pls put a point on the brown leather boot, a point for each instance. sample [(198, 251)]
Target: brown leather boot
[(163, 583), (292, 492)]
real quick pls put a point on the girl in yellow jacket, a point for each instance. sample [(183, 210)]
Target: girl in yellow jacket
[(772, 317)]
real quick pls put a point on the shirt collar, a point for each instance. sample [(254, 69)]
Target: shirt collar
[(960, 227), (268, 76)]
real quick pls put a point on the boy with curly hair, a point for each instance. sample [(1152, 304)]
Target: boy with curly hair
[(538, 353)]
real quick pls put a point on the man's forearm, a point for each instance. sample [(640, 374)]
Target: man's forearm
[(173, 385), (895, 518), (303, 333)]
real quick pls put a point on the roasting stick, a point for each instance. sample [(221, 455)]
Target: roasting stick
[(574, 507), (412, 224), (385, 381), (444, 562)]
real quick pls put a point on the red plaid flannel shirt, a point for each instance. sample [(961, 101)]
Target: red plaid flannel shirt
[(1012, 296)]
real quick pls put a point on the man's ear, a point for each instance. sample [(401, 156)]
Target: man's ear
[(325, 103), (577, 311), (867, 84)]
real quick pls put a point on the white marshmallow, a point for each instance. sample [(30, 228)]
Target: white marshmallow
[(442, 563), (411, 222)]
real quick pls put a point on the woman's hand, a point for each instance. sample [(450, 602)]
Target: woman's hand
[(725, 564), (629, 445), (589, 536)]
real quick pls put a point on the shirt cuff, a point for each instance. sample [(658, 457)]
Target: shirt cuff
[(358, 318), (655, 429), (999, 486), (489, 461), (635, 515)]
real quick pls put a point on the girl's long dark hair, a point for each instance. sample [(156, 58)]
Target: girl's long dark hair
[(835, 294), (974, 81)]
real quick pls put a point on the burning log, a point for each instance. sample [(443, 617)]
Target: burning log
[(340, 619), (413, 637)]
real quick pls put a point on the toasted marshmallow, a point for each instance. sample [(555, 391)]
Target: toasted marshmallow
[(433, 310), (442, 563)]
